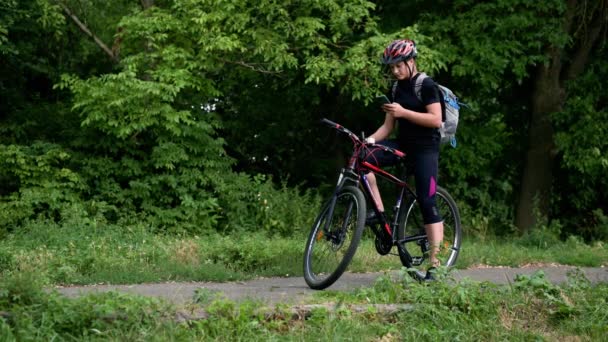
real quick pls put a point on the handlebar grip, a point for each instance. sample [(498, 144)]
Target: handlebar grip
[(328, 122), (391, 150), (399, 153), (340, 128)]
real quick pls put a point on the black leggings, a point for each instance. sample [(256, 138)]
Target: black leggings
[(424, 162)]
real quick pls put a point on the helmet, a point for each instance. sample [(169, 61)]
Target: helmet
[(399, 50)]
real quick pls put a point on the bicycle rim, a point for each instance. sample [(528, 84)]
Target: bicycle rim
[(413, 224), (329, 251)]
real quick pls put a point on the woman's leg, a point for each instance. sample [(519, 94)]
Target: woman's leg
[(434, 233), (380, 158), (373, 185), (425, 172)]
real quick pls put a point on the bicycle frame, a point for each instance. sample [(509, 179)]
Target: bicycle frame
[(356, 172), (389, 227)]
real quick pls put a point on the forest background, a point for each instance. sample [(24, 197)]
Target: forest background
[(192, 116)]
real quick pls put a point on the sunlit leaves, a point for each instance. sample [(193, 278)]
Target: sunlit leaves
[(51, 16), (486, 40)]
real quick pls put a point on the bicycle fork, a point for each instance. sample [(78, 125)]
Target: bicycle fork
[(397, 210), (332, 205)]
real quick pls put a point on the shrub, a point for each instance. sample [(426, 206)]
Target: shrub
[(254, 203)]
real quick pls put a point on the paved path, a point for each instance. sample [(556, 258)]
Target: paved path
[(295, 291)]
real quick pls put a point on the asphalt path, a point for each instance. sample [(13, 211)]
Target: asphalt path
[(293, 290)]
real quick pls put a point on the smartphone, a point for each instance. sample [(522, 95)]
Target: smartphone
[(382, 100)]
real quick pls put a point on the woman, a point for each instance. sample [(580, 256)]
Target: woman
[(418, 136)]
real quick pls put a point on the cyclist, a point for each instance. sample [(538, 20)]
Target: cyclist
[(418, 136)]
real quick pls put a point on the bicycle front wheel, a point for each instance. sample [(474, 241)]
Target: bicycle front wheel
[(334, 238), (414, 254)]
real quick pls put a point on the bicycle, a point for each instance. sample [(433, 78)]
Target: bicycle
[(336, 232)]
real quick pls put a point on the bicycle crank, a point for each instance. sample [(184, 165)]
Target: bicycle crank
[(382, 247)]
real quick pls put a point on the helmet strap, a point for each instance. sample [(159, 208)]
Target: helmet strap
[(410, 69)]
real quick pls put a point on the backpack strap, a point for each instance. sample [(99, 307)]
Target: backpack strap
[(417, 80)]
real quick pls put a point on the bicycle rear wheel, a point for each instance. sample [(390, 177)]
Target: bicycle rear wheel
[(334, 238), (415, 253)]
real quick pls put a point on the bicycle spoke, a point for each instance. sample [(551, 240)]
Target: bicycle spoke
[(335, 239), (412, 224)]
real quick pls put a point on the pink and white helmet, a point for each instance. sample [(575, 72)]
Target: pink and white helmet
[(399, 50)]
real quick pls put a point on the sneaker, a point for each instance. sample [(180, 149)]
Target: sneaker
[(371, 217), (430, 274)]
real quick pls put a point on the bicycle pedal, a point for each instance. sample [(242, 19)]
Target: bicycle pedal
[(417, 261)]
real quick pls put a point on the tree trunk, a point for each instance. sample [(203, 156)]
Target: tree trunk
[(548, 97), (145, 4)]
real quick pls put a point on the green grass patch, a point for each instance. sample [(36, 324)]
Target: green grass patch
[(122, 255), (518, 252), (530, 309)]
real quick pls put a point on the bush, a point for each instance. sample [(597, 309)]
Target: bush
[(37, 183), (254, 203), (46, 183)]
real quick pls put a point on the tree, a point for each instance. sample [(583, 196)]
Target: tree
[(583, 23), (521, 56), (148, 149), (149, 111)]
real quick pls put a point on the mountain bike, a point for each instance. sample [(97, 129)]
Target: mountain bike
[(337, 231)]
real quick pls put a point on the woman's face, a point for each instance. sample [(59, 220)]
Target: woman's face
[(400, 70)]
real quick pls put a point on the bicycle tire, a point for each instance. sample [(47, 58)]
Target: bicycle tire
[(411, 223), (327, 254)]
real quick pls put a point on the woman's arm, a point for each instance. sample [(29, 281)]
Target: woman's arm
[(422, 119), (385, 130)]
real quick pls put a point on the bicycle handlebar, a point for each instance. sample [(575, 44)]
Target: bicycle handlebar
[(359, 140), (389, 149), (341, 129)]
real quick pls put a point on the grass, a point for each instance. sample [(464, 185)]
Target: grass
[(530, 309), (514, 252), (119, 255)]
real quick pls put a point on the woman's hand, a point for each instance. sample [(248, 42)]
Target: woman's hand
[(395, 110)]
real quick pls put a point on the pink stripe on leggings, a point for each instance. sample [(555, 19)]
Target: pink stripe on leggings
[(433, 187)]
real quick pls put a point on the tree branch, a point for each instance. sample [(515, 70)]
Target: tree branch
[(86, 30), (251, 66), (588, 40)]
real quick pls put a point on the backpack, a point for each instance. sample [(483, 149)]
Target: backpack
[(450, 108)]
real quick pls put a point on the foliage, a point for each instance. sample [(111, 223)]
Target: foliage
[(78, 252), (42, 185), (581, 137), (147, 148), (490, 50), (257, 204), (90, 251), (509, 45), (29, 312), (532, 308), (208, 103)]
